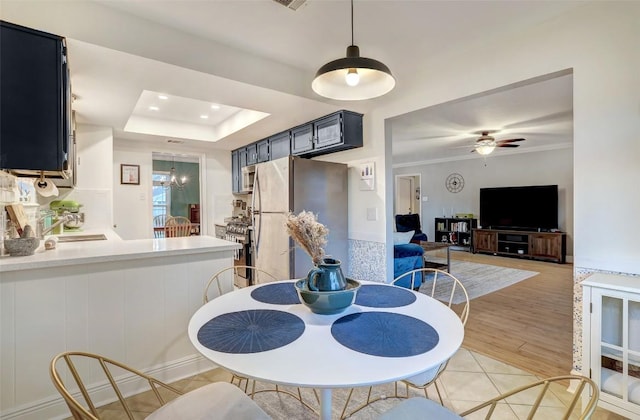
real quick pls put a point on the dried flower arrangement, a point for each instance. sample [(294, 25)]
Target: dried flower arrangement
[(308, 233)]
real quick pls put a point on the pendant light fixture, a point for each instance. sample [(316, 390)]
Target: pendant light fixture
[(353, 78), (174, 181)]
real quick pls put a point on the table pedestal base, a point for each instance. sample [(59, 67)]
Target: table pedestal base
[(325, 404)]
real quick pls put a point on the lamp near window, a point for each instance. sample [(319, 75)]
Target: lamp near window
[(353, 77)]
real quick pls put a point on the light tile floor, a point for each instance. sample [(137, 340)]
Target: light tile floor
[(469, 379)]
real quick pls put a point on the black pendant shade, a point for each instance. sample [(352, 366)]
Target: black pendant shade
[(353, 78)]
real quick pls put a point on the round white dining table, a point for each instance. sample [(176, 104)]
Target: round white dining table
[(263, 332)]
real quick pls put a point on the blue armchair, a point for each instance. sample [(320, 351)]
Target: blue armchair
[(407, 222), (407, 257)]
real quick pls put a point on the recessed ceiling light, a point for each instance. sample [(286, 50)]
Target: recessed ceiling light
[(154, 108), (215, 106), (204, 117), (163, 97)]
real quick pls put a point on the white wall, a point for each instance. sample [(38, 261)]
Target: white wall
[(600, 43), (94, 187), (133, 203), (538, 168)]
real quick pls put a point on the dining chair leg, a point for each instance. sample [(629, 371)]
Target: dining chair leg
[(435, 383), (279, 390), (240, 379), (346, 404)]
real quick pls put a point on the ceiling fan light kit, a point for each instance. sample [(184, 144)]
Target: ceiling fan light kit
[(486, 144), (353, 78), (485, 148)]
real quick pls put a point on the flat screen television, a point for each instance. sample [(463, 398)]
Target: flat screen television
[(532, 207)]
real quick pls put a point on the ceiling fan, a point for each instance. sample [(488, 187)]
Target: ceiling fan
[(486, 143)]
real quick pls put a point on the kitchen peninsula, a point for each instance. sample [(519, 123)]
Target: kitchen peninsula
[(127, 299)]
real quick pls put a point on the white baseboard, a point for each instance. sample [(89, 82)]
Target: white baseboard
[(55, 408)]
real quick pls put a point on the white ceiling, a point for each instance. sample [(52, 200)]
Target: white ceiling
[(400, 33), (539, 110)]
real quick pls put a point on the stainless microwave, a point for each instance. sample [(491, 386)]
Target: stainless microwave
[(248, 175)]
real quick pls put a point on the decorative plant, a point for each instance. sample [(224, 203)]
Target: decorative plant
[(308, 233)]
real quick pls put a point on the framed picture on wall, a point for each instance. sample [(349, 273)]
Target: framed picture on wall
[(129, 174)]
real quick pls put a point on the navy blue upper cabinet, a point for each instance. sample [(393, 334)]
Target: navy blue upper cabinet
[(252, 154), (235, 171), (35, 132), (302, 139), (332, 133), (262, 148), (327, 131), (341, 130), (242, 157), (280, 145)]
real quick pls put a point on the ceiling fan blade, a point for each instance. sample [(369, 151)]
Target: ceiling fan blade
[(507, 145), (508, 140)]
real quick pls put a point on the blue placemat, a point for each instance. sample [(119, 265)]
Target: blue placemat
[(250, 331), (277, 294), (385, 334), (379, 296)]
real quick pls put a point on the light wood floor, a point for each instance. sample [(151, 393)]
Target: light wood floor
[(529, 324)]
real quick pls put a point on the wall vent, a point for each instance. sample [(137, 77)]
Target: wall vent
[(291, 4)]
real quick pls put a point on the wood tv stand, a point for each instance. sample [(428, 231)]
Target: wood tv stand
[(544, 246)]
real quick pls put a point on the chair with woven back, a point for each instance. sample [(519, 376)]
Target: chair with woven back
[(441, 286), (177, 226), (76, 375)]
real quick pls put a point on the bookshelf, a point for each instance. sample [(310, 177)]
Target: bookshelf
[(456, 231)]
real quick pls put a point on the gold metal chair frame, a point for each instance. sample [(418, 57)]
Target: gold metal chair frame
[(437, 277), (583, 382), (237, 379), (216, 278), (80, 412)]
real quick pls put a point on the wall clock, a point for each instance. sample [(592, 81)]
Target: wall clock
[(454, 183)]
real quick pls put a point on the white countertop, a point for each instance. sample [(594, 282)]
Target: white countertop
[(112, 249)]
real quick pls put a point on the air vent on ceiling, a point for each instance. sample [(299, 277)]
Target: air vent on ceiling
[(291, 4), (175, 141)]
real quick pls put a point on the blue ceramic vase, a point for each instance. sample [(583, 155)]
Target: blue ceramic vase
[(326, 276)]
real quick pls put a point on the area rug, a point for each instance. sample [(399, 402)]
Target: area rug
[(481, 279)]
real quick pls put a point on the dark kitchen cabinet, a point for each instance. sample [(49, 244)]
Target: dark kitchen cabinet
[(262, 148), (327, 131), (242, 157), (332, 133), (280, 145), (235, 171), (252, 154), (35, 93), (341, 130), (302, 139)]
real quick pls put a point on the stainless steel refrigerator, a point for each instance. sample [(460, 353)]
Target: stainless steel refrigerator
[(293, 184)]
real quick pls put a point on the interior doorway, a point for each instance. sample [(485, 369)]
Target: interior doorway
[(177, 189), (407, 197)]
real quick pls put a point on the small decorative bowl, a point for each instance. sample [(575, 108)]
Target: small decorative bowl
[(20, 247), (327, 303)]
